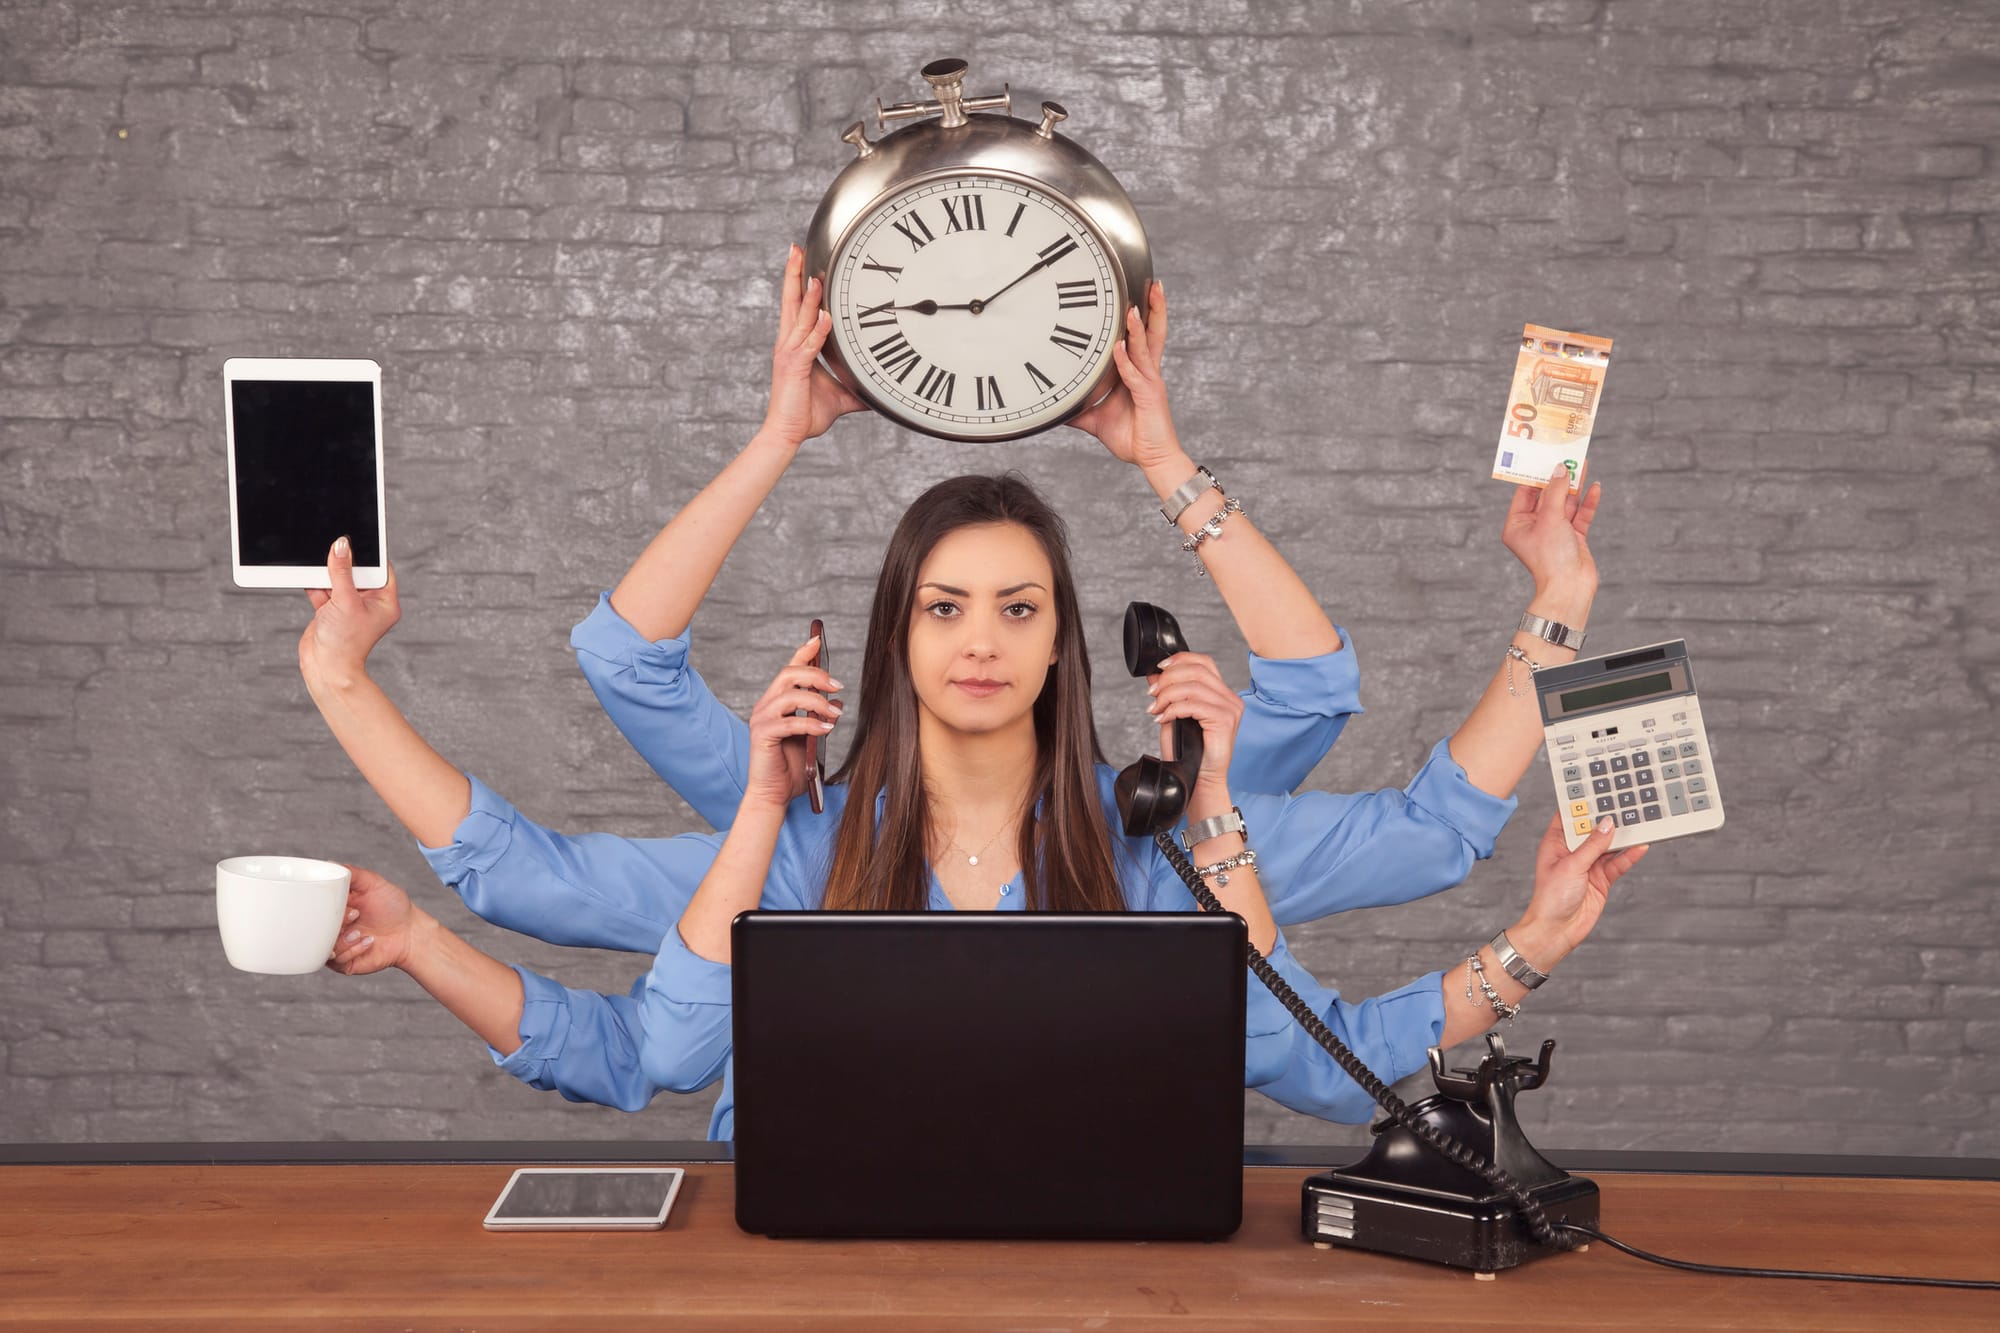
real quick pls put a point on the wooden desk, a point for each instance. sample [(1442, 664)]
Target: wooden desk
[(401, 1246)]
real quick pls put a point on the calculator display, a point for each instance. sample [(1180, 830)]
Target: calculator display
[(1616, 692)]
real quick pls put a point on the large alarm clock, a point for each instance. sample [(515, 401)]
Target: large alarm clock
[(977, 267)]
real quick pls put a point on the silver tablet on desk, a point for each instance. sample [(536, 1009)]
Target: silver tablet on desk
[(305, 467)]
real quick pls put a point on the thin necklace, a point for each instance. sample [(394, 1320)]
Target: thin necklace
[(972, 858)]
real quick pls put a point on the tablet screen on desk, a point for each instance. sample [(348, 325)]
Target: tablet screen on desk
[(587, 1197)]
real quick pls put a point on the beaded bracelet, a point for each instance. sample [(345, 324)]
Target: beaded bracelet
[(1212, 528), (1221, 869), (1514, 654), (1499, 1006)]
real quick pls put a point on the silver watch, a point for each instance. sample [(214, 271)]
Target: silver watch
[(1513, 964), (1550, 631), (1188, 492), (1214, 827)]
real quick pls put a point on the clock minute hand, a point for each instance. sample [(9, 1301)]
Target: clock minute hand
[(1037, 267)]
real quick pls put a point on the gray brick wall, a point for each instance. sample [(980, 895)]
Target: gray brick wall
[(556, 226)]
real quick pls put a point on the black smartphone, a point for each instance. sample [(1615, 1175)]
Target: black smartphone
[(816, 757)]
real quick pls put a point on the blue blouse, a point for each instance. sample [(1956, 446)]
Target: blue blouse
[(1318, 853)]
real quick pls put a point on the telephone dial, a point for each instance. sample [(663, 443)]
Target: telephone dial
[(1452, 1179)]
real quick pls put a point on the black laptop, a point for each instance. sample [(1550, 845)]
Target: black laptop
[(989, 1074)]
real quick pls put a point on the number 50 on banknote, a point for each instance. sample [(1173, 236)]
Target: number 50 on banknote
[(1551, 405)]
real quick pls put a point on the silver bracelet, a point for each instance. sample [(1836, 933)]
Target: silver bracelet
[(1499, 1006), (1214, 827), (1552, 632), (1212, 528), (1246, 857), (1514, 654), (1513, 964), (1187, 493)]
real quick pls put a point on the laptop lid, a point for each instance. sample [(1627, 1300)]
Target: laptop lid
[(993, 1074)]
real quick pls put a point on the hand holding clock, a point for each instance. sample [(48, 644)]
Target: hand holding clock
[(1133, 422), (805, 399)]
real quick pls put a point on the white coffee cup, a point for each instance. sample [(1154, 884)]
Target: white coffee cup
[(279, 914)]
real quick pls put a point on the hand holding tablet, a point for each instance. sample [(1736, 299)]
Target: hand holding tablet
[(305, 468)]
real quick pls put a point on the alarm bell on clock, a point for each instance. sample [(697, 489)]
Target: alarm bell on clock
[(977, 267)]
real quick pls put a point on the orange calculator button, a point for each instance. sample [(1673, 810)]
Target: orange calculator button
[(1583, 826)]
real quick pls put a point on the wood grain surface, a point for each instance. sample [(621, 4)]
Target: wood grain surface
[(401, 1246)]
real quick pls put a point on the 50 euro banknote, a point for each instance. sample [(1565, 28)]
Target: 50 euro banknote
[(1551, 405)]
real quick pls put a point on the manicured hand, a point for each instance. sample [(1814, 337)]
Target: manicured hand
[(347, 622), (1191, 685), (375, 933), (1133, 421), (1545, 529), (805, 397), (1571, 888), (778, 731)]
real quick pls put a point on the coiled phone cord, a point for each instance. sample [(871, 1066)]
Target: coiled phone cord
[(1459, 1153), (1560, 1236)]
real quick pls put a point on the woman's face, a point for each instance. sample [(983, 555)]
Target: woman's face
[(983, 628)]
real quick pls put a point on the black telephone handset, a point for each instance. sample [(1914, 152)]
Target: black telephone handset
[(1152, 792), (1400, 1198)]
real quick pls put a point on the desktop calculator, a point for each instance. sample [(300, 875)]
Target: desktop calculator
[(1625, 739)]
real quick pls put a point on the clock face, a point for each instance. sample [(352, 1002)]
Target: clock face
[(977, 307)]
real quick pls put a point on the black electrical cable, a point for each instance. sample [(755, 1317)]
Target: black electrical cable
[(1727, 1270), (1548, 1233)]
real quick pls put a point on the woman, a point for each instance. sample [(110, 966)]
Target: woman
[(975, 687)]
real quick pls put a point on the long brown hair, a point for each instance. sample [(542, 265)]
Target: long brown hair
[(1065, 854)]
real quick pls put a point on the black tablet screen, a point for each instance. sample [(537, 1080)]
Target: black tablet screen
[(305, 470)]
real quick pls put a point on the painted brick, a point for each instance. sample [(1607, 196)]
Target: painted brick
[(556, 225)]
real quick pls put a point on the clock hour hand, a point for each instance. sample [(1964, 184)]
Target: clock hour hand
[(932, 307)]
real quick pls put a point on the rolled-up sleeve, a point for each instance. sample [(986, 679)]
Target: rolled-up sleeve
[(666, 710), (1293, 712), (1325, 852), (584, 1045), (594, 890), (687, 1011), (1391, 1034)]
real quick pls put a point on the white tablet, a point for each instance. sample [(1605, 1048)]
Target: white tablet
[(305, 467), (586, 1198)]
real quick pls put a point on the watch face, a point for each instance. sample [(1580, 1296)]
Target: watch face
[(976, 307)]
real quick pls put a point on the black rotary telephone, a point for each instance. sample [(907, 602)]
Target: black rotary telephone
[(1422, 1191)]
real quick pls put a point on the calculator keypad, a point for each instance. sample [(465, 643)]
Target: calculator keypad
[(1653, 776)]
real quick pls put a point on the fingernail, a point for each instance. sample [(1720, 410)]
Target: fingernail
[(367, 940), (340, 547), (1605, 825), (836, 684), (824, 725), (353, 935)]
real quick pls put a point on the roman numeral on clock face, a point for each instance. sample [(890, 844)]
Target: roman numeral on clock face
[(1042, 382), (937, 383), (1070, 295), (1069, 339), (972, 211), (896, 356), (1062, 247), (905, 228), (989, 394), (1015, 221), (876, 316), (895, 274)]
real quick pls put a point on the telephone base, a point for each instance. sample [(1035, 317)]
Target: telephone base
[(1484, 1235)]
